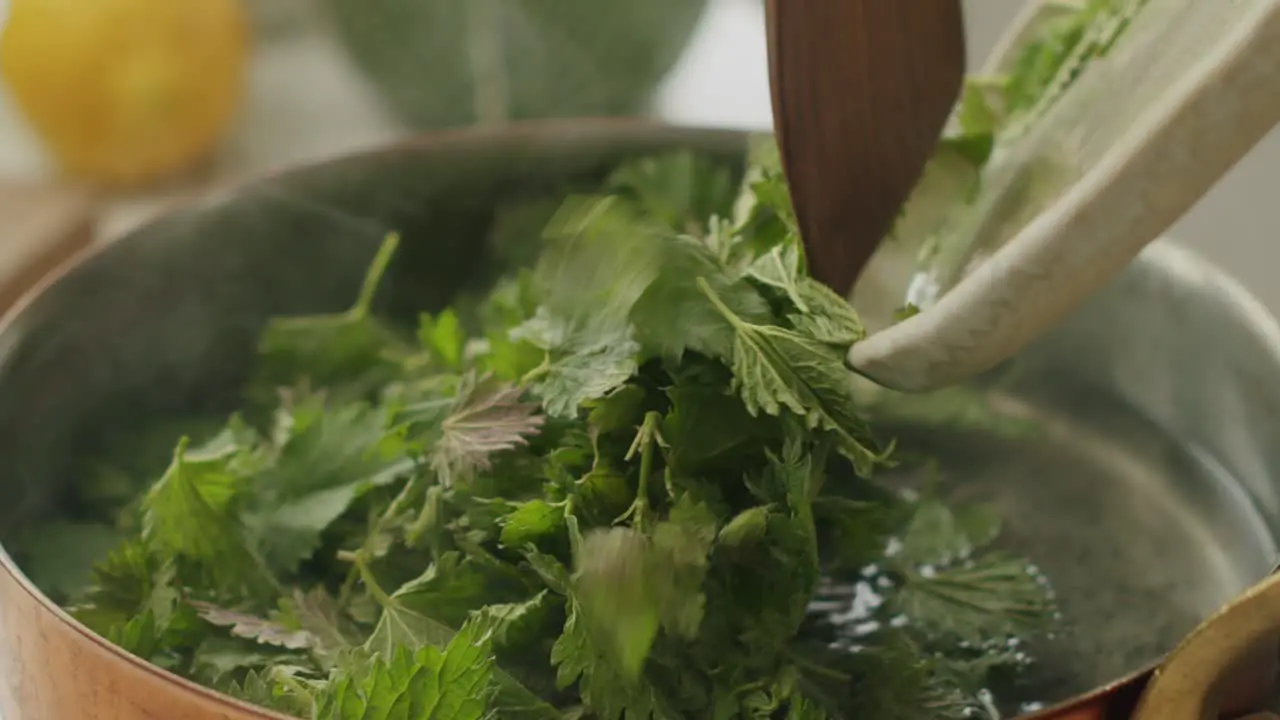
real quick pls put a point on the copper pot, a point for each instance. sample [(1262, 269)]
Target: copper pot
[(165, 320)]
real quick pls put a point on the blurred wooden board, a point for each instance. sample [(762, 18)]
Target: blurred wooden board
[(40, 227)]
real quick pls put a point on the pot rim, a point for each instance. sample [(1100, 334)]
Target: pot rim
[(1187, 266)]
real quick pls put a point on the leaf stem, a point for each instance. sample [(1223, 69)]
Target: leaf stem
[(537, 373), (373, 278), (371, 582), (809, 666), (646, 440), (719, 305), (357, 557)]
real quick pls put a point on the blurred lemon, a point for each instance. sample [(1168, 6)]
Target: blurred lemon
[(126, 91)]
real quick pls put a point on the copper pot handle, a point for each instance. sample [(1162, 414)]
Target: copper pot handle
[(1189, 684)]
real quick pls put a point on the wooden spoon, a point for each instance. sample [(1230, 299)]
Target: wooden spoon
[(861, 91)]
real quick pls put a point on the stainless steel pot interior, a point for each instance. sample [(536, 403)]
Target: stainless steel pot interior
[(1146, 490)]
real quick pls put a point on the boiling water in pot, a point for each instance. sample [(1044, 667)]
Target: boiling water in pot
[(1140, 535)]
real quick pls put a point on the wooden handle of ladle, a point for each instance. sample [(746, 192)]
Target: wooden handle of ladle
[(861, 91)]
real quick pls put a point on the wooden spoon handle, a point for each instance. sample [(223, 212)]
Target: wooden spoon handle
[(861, 91)]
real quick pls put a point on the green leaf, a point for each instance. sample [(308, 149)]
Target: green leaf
[(776, 369), (950, 592), (352, 346), (746, 528), (530, 522), (606, 691), (706, 423), (327, 456), (145, 629), (517, 622), (583, 368), (122, 583), (255, 628), (401, 628), (991, 597), (265, 689), (187, 513), (682, 546), (827, 317), (937, 535), (218, 659), (455, 682), (442, 336), (680, 190), (621, 409), (486, 418), (620, 594), (781, 269), (601, 258), (673, 316)]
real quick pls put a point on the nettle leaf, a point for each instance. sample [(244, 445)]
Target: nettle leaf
[(487, 417), (746, 528), (620, 595), (673, 315), (442, 335), (218, 659), (780, 268), (949, 591), (682, 546), (399, 628), (148, 629), (584, 368), (265, 689), (680, 190), (328, 455), (601, 258), (530, 522), (606, 691), (350, 346), (255, 628), (453, 586), (991, 597), (706, 423), (516, 622), (429, 608), (828, 318), (188, 512), (452, 682), (621, 409), (122, 583), (318, 613), (776, 369), (938, 534)]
